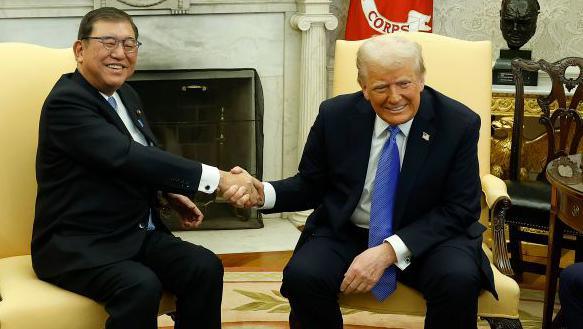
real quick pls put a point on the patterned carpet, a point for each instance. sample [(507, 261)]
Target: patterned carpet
[(251, 300)]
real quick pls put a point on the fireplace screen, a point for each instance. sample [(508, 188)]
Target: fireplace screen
[(211, 116)]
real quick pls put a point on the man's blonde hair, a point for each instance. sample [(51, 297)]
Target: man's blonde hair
[(389, 51)]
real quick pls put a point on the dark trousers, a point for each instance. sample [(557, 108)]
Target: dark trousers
[(449, 277), (571, 295), (131, 289)]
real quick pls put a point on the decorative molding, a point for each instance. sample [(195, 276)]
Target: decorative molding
[(78, 8), (500, 252), (138, 3), (56, 8), (313, 6), (176, 7), (503, 105), (303, 22)]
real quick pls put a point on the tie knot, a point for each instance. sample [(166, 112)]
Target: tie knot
[(112, 102), (394, 130)]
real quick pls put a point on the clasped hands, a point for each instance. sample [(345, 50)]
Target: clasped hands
[(236, 186), (241, 189)]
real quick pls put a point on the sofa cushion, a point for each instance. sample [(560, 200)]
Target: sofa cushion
[(28, 302)]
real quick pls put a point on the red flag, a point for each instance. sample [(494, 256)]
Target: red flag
[(370, 17)]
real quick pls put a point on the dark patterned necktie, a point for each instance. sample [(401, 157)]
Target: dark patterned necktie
[(112, 102), (381, 209)]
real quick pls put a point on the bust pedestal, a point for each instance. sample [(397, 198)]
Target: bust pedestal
[(502, 72)]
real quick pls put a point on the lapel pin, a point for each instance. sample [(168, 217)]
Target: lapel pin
[(425, 136), (139, 112), (141, 123)]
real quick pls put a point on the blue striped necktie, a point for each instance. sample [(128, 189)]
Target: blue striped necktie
[(112, 102), (381, 209)]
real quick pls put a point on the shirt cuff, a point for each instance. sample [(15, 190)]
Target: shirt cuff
[(269, 194), (209, 179), (403, 253)]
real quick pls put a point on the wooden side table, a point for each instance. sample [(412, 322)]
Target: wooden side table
[(565, 176)]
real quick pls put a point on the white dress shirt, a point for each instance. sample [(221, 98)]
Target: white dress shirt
[(361, 214)]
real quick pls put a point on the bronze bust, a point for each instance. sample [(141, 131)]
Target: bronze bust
[(518, 21)]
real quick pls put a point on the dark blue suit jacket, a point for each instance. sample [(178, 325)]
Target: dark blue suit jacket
[(96, 185), (438, 195)]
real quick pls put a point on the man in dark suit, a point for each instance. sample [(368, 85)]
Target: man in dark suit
[(571, 295), (434, 244), (98, 171)]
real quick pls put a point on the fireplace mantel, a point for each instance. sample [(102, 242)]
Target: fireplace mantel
[(73, 8)]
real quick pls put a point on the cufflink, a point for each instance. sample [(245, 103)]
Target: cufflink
[(408, 259), (207, 187)]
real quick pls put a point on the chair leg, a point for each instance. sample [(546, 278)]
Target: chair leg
[(503, 323), (515, 249)]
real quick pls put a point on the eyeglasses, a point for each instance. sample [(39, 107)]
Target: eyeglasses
[(129, 45)]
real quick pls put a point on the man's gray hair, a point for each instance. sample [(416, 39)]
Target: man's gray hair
[(389, 51)]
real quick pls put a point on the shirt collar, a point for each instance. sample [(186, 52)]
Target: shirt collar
[(106, 97), (381, 125)]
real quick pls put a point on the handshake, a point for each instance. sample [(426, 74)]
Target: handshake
[(241, 189), (235, 186)]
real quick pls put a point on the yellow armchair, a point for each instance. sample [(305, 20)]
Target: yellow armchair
[(462, 70), (27, 74)]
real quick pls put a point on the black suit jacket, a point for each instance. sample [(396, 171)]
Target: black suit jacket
[(438, 194), (96, 185)]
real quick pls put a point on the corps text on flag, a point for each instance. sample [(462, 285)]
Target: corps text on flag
[(370, 17)]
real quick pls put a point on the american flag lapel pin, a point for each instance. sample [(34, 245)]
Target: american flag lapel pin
[(425, 136), (139, 114)]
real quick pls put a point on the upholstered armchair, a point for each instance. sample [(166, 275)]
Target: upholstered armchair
[(27, 74), (461, 70)]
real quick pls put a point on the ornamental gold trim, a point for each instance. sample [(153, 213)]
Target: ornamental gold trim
[(503, 105)]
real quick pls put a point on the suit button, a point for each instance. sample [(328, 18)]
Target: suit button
[(141, 225)]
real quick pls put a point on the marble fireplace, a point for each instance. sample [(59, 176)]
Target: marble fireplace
[(211, 116), (283, 40)]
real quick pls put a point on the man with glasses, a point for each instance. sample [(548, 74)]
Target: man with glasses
[(99, 173)]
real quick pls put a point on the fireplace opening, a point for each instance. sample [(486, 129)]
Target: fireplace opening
[(211, 116)]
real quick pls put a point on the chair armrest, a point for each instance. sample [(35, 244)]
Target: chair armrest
[(498, 202), (494, 189)]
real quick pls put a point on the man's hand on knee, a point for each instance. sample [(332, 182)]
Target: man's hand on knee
[(367, 268)]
